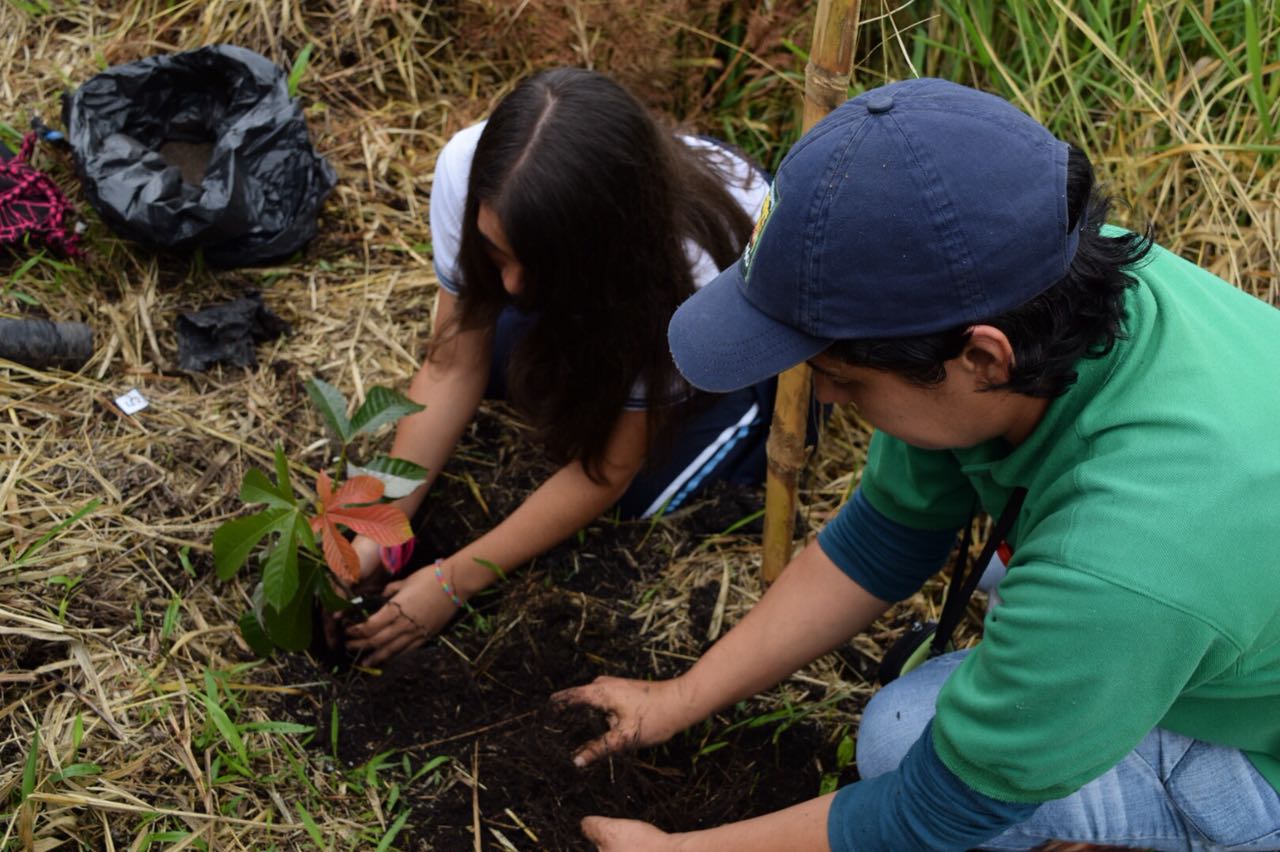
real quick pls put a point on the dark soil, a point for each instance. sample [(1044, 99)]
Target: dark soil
[(560, 622)]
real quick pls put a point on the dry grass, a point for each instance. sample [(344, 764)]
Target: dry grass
[(116, 643)]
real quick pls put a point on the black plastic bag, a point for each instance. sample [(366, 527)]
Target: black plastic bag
[(226, 333), (199, 149)]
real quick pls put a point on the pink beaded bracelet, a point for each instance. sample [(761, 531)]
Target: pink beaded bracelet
[(444, 584)]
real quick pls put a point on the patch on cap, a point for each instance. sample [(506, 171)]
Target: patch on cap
[(766, 210)]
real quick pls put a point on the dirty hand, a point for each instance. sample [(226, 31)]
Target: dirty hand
[(641, 713), (626, 835), (417, 609)]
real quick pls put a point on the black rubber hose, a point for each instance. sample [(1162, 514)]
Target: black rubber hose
[(42, 343)]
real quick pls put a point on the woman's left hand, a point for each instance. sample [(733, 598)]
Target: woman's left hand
[(417, 609), (627, 835)]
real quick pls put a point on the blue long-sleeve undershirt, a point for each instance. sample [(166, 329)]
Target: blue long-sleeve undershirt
[(921, 805), (889, 560)]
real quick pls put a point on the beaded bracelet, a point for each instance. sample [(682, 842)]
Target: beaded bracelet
[(444, 584)]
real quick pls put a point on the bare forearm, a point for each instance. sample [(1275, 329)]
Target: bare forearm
[(799, 828), (429, 437), (811, 609), (564, 504), (450, 386)]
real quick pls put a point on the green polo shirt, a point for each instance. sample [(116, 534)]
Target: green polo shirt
[(1144, 589)]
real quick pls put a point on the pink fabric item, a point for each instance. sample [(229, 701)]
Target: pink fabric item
[(395, 558), (31, 203)]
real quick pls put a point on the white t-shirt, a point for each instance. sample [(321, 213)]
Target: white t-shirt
[(449, 195)]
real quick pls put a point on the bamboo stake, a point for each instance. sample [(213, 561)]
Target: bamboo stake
[(826, 81)]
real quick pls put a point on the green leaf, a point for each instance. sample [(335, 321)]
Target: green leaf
[(302, 531), (400, 476), (844, 752), (829, 784), (280, 571), (257, 488), (254, 635), (382, 406), (332, 405), (290, 628), (235, 540), (329, 599)]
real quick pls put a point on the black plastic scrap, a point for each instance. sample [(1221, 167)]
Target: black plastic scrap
[(42, 343), (199, 149), (226, 333)]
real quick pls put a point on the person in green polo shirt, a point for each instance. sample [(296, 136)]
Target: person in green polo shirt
[(942, 262)]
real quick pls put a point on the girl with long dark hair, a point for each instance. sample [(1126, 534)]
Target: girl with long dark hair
[(566, 230)]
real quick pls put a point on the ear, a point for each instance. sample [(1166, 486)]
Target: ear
[(988, 355)]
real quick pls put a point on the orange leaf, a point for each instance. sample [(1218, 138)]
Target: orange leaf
[(359, 489), (324, 488), (340, 555), (385, 524)]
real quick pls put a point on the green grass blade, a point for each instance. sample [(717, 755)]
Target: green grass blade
[(1253, 58), (309, 823), (76, 770), (29, 768), (226, 728), (34, 548), (385, 843), (299, 69)]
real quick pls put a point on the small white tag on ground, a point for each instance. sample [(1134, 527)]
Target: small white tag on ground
[(132, 402)]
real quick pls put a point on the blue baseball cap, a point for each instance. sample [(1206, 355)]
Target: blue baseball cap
[(913, 208)]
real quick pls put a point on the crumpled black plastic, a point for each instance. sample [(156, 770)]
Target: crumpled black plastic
[(226, 333), (263, 184)]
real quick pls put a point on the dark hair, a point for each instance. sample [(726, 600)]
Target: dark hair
[(1080, 316), (597, 202)]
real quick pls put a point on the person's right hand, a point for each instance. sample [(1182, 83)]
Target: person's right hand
[(416, 610), (641, 712)]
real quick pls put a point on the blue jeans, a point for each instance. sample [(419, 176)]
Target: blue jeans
[(1170, 793)]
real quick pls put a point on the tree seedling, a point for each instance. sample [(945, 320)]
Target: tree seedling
[(307, 557)]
